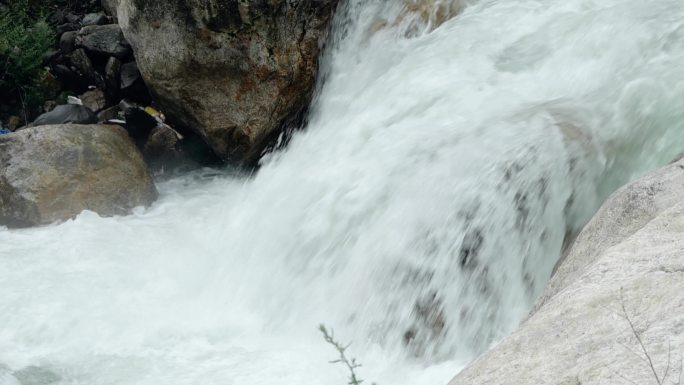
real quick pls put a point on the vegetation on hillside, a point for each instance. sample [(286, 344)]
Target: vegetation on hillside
[(25, 36)]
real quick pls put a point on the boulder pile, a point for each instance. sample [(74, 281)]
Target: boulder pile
[(95, 62), (231, 76)]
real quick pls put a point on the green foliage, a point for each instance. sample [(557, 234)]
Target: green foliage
[(76, 6), (351, 364), (25, 36)]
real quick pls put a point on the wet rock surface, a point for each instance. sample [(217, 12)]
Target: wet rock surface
[(234, 71), (52, 173), (620, 284)]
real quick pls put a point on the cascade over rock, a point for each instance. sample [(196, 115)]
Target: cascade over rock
[(234, 71), (630, 254), (52, 173), (452, 152)]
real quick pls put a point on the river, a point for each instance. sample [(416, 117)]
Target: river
[(447, 160)]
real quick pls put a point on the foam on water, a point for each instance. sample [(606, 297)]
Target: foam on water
[(419, 214)]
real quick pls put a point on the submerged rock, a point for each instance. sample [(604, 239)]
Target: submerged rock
[(53, 173), (627, 265), (232, 70), (36, 375)]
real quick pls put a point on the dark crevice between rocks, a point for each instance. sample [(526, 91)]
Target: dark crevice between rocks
[(278, 139), (224, 17), (194, 153)]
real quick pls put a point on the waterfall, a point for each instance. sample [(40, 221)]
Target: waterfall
[(452, 149)]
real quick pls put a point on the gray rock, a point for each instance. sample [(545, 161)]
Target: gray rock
[(53, 173), (129, 75), (631, 255), (67, 42), (67, 27), (94, 19), (84, 68), (112, 76), (72, 18), (105, 40), (132, 84), (82, 63), (623, 214), (66, 113), (233, 70)]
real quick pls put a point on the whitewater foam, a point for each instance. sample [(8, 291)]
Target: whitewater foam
[(419, 214)]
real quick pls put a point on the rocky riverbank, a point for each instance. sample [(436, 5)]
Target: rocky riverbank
[(225, 82)]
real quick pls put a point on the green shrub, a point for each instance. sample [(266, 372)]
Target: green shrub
[(25, 37)]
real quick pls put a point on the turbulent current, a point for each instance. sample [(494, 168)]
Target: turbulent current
[(452, 150)]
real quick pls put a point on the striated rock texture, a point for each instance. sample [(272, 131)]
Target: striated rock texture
[(631, 254), (52, 173), (233, 70)]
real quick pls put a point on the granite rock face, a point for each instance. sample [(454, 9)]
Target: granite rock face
[(628, 262), (232, 70)]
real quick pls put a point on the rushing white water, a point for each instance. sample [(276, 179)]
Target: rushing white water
[(419, 214)]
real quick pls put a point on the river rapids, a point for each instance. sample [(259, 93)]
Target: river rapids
[(452, 150)]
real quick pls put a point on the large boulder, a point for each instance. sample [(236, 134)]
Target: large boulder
[(52, 173), (232, 70), (615, 304)]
